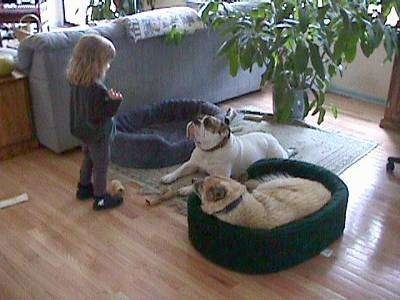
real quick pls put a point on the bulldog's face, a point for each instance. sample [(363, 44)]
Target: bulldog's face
[(207, 131), (217, 192)]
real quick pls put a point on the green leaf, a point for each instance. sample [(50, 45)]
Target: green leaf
[(259, 59), (340, 45), (395, 40), (246, 57), (306, 104), (321, 115), (205, 15), (335, 111), (346, 19), (174, 36), (331, 70), (258, 14), (321, 99), (301, 57), (366, 47), (304, 19), (367, 41), (214, 6), (322, 12), (312, 104), (283, 99), (388, 43), (316, 60), (234, 59), (226, 47), (378, 29), (351, 49)]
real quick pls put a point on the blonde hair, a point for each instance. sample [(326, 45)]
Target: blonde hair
[(90, 59)]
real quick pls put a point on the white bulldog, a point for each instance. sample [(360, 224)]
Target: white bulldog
[(219, 152)]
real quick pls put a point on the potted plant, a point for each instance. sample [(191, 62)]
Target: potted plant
[(301, 44)]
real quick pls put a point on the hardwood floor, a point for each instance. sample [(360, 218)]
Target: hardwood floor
[(54, 246)]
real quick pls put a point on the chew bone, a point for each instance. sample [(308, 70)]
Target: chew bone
[(163, 196), (116, 188)]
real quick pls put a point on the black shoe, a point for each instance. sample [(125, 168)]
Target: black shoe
[(84, 192), (107, 201)]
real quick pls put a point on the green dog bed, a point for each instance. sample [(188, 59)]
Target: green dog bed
[(250, 250)]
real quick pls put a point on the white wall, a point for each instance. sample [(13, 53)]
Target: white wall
[(366, 78), (54, 13), (57, 17), (167, 3)]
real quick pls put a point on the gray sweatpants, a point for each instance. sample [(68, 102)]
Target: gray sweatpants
[(95, 165)]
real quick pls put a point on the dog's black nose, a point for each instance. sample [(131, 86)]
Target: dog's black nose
[(196, 121)]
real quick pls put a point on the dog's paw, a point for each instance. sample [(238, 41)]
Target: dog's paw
[(169, 178), (185, 191)]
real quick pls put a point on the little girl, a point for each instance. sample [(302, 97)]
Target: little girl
[(91, 109)]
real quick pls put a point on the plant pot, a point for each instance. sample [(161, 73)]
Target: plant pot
[(289, 105)]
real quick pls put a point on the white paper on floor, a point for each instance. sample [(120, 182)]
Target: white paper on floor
[(13, 201)]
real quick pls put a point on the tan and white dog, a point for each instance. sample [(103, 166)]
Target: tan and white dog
[(273, 203), (220, 152)]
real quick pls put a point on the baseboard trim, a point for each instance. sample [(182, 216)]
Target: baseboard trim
[(356, 95)]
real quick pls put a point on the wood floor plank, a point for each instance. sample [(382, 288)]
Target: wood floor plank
[(56, 247)]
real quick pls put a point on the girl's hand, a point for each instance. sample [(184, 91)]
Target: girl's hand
[(114, 95)]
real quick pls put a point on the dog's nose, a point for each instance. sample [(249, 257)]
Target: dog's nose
[(196, 122)]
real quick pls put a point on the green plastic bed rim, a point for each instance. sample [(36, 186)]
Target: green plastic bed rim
[(256, 251)]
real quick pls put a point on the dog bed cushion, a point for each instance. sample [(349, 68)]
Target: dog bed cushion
[(155, 136), (250, 250)]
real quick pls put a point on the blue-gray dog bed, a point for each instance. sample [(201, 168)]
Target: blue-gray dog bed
[(155, 136)]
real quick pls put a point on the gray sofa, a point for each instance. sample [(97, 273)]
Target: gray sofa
[(147, 71)]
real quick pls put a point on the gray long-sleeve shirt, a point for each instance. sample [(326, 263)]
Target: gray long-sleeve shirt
[(91, 111)]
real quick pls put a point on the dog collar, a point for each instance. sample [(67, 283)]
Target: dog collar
[(231, 206), (219, 145)]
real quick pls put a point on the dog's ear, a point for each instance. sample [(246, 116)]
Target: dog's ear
[(227, 120), (229, 116), (224, 128), (216, 193), (189, 130)]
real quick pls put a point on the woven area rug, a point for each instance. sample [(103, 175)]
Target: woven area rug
[(331, 150)]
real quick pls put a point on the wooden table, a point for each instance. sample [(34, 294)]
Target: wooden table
[(16, 129), (391, 119), (14, 13)]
